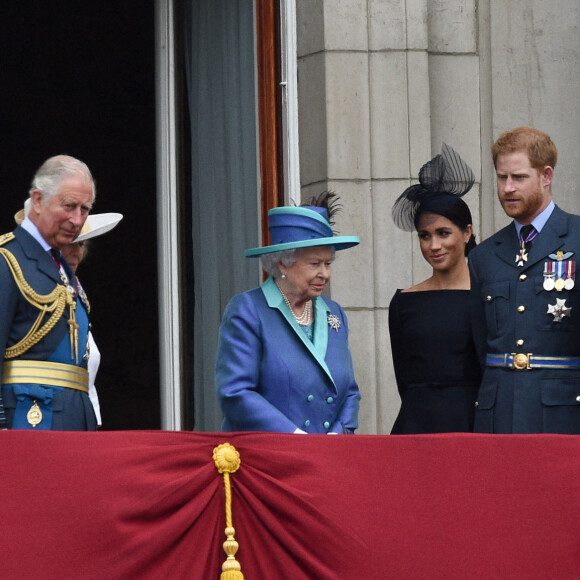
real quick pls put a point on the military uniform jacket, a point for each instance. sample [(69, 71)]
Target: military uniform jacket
[(72, 409), (521, 316), (271, 377)]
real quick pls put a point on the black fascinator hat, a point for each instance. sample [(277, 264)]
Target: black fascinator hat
[(442, 181)]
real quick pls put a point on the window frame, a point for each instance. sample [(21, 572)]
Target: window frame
[(275, 36)]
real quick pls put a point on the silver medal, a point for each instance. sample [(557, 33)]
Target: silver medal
[(559, 310)]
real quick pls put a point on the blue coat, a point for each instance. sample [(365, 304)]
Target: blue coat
[(271, 377), (517, 320), (69, 409)]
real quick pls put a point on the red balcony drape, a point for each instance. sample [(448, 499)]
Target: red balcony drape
[(150, 505)]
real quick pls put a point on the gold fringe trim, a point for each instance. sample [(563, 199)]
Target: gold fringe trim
[(53, 304), (227, 460)]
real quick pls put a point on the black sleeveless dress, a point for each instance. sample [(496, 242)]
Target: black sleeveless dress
[(436, 364)]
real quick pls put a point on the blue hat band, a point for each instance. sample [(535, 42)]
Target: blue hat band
[(285, 228), (292, 228)]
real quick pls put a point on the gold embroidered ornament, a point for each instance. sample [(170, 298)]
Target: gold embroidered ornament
[(227, 460), (52, 304)]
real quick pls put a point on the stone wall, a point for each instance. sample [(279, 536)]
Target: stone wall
[(381, 84)]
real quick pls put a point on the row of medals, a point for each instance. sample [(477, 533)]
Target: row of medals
[(550, 283), (559, 283), (559, 274)]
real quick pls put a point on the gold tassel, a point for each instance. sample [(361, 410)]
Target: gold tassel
[(227, 460)]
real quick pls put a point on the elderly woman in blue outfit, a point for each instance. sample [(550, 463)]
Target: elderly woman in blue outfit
[(283, 360)]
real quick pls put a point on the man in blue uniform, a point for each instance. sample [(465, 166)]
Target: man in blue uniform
[(43, 321), (525, 278)]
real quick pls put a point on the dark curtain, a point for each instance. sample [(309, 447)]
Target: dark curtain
[(222, 104)]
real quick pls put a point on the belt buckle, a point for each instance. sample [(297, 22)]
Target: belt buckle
[(521, 361)]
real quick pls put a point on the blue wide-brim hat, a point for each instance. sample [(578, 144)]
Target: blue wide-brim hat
[(301, 227)]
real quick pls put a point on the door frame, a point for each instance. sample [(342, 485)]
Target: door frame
[(276, 51)]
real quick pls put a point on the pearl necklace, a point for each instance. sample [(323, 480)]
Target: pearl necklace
[(305, 319)]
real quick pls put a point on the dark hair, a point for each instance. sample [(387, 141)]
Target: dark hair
[(451, 207)]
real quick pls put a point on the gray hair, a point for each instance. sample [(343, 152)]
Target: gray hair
[(27, 206), (287, 257), (270, 261), (54, 170)]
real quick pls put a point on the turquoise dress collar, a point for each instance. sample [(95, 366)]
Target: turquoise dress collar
[(319, 344)]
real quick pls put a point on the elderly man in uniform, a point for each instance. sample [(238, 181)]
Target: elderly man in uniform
[(525, 278), (43, 321)]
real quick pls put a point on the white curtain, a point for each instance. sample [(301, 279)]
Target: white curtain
[(222, 101)]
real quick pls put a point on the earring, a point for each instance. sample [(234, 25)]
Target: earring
[(283, 276)]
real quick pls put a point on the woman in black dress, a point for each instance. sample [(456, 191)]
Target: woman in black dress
[(431, 325)]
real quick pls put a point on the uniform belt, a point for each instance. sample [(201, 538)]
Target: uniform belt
[(521, 361), (45, 373)]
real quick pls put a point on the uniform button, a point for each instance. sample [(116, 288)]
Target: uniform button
[(307, 422), (326, 424), (330, 400), (578, 399), (523, 277), (521, 308), (520, 342), (477, 403), (488, 298), (310, 398)]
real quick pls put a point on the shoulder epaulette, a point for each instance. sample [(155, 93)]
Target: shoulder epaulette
[(4, 238)]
